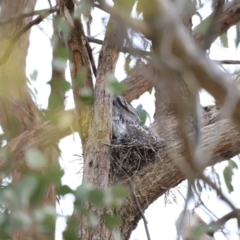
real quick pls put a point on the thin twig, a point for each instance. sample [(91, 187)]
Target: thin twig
[(23, 15), (50, 4), (134, 51), (137, 51), (227, 61), (140, 210), (15, 38)]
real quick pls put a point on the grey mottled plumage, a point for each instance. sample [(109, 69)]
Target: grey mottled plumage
[(127, 124), (133, 144)]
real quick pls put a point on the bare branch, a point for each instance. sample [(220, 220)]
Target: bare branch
[(23, 15), (133, 51), (227, 61), (220, 222), (227, 17), (137, 84)]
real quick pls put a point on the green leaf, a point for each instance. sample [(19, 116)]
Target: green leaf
[(237, 40), (54, 101), (82, 192), (203, 27), (61, 52), (54, 174), (199, 186), (112, 221), (224, 40), (228, 174), (142, 113), (92, 219), (232, 164), (64, 27), (150, 91), (96, 196), (80, 79), (70, 231), (70, 234), (63, 190), (114, 86), (127, 66), (59, 64), (119, 191), (33, 75), (198, 231), (35, 159), (87, 96), (25, 193)]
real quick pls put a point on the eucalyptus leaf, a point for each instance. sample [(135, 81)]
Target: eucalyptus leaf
[(35, 159)]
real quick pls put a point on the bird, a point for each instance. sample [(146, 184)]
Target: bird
[(126, 123), (133, 144)]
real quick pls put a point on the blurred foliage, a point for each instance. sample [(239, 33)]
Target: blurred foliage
[(224, 40), (237, 40), (23, 207), (114, 86), (228, 174), (143, 114)]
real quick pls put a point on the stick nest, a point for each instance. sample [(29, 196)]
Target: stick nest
[(131, 155)]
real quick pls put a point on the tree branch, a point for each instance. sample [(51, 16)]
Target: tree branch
[(47, 133), (164, 174), (134, 51), (229, 16), (16, 37), (137, 83), (81, 69), (24, 15)]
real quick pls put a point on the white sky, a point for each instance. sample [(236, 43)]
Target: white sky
[(161, 218)]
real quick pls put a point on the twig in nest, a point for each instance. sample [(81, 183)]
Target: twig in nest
[(131, 155)]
